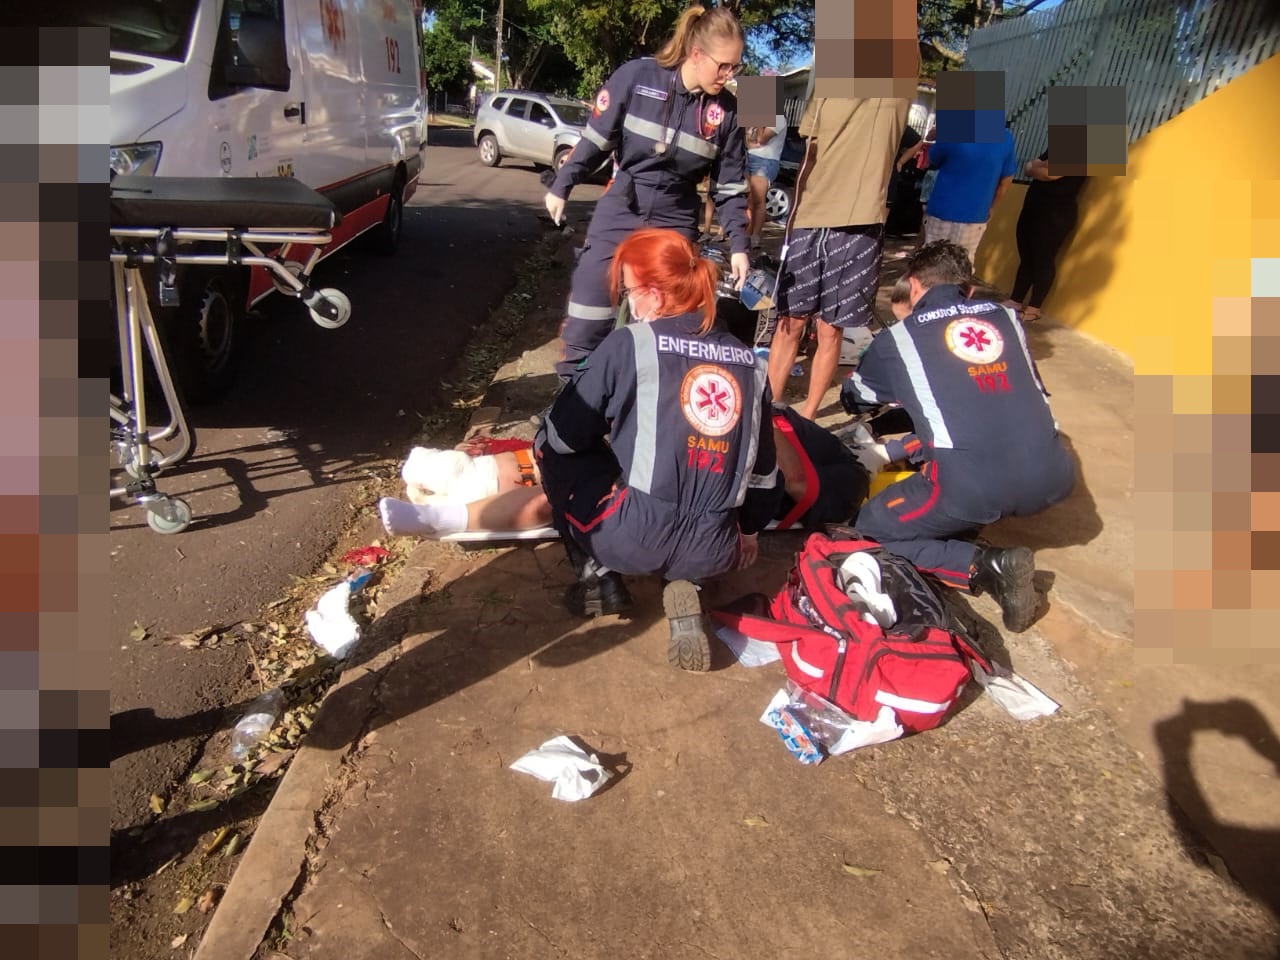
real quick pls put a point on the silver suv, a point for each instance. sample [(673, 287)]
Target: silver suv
[(529, 126)]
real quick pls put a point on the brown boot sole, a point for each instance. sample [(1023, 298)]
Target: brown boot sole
[(690, 645)]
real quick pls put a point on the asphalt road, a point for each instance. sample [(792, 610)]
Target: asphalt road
[(280, 460)]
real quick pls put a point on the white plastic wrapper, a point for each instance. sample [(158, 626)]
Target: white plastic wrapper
[(748, 652), (826, 724), (1020, 699), (331, 624), (575, 773)]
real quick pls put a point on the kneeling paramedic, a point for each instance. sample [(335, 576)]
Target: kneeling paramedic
[(658, 456), (984, 434)]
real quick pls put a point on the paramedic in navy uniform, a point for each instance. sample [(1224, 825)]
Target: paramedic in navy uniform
[(669, 121), (983, 431), (658, 456)]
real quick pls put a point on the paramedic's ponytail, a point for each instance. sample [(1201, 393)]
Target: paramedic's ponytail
[(706, 277), (698, 26)]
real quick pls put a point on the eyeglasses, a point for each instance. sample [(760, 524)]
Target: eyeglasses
[(638, 291), (722, 69)]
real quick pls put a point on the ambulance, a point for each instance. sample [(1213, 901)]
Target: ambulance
[(327, 91)]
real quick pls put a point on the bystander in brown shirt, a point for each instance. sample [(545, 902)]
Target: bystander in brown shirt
[(851, 152)]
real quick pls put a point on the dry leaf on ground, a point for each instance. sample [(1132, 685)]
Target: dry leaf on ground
[(853, 871)]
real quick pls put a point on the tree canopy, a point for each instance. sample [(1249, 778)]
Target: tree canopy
[(571, 46)]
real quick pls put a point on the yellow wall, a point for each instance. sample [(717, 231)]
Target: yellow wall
[(1153, 249)]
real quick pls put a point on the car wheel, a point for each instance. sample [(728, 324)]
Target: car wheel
[(562, 157), (777, 203), (490, 155)]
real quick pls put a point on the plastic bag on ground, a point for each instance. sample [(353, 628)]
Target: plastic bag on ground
[(330, 623), (1019, 698), (575, 773), (826, 724)]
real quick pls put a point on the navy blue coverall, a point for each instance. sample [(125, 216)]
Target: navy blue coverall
[(983, 430), (640, 106), (660, 451)]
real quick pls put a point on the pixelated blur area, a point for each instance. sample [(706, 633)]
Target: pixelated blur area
[(1088, 134), (759, 101), (865, 48), (971, 106)]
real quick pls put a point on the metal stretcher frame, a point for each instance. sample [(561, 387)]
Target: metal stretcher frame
[(135, 246)]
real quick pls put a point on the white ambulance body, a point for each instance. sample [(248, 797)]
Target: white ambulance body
[(327, 91)]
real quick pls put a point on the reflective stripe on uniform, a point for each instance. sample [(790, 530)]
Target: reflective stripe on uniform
[(696, 145), (684, 141), (581, 311), (643, 127), (864, 392), (752, 430), (919, 380), (553, 437), (1026, 352), (589, 132), (644, 455), (758, 480), (725, 190)]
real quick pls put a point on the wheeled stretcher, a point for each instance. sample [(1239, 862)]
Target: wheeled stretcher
[(172, 221)]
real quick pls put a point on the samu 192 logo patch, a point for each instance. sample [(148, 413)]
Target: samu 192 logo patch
[(710, 400), (602, 100), (712, 119), (974, 340)]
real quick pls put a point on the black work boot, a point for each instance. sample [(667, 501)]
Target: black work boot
[(690, 645), (597, 596), (1006, 573)]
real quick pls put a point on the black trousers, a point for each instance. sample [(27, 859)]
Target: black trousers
[(1041, 233)]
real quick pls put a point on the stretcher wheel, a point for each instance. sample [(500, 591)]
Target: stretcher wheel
[(338, 299), (181, 518)]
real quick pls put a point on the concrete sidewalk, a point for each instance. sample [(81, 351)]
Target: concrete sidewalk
[(399, 830)]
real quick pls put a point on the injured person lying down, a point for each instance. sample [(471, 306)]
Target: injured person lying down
[(493, 485)]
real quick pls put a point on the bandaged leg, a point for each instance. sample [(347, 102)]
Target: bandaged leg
[(403, 519), (525, 508)]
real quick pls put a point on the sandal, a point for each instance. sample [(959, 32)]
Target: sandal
[(1029, 315)]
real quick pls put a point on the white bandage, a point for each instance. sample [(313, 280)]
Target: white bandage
[(451, 473)]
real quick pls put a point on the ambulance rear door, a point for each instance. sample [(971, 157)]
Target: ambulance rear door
[(333, 147), (393, 93)]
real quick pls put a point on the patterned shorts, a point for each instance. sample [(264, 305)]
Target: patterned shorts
[(832, 273), (967, 235)]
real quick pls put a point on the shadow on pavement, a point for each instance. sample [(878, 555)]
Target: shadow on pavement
[(1253, 854)]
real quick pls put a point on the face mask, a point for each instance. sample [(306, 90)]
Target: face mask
[(633, 310)]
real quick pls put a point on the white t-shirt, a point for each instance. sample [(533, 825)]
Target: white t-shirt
[(773, 149)]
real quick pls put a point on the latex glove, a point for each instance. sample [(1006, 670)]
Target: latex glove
[(748, 549), (555, 207), (873, 456), (739, 266)]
